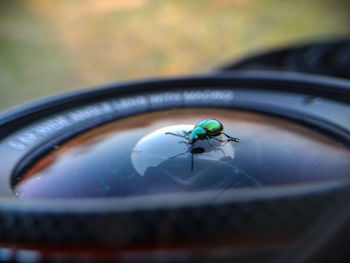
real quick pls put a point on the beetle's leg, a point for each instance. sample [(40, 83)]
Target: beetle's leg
[(211, 145), (192, 162), (231, 139), (192, 157), (219, 140), (177, 155), (188, 150), (228, 140), (185, 133), (223, 142), (175, 134)]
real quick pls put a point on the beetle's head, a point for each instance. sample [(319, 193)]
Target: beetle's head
[(193, 138)]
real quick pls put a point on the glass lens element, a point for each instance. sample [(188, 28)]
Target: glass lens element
[(135, 156)]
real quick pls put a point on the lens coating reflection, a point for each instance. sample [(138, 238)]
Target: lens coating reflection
[(133, 156)]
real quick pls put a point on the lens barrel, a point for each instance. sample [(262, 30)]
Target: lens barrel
[(191, 218)]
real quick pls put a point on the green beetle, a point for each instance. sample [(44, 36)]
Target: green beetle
[(205, 130)]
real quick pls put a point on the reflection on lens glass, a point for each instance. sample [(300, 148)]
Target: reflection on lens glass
[(135, 156), (159, 147)]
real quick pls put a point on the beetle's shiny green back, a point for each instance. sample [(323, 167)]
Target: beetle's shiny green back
[(212, 126)]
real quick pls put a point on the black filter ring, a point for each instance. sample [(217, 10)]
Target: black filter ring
[(317, 86)]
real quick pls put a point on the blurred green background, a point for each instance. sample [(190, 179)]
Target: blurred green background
[(47, 47)]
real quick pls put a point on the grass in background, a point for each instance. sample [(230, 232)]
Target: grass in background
[(47, 47)]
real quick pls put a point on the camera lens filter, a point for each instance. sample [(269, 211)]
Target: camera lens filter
[(113, 173)]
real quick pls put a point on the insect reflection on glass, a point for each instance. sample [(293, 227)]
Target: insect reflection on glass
[(197, 150), (205, 130)]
